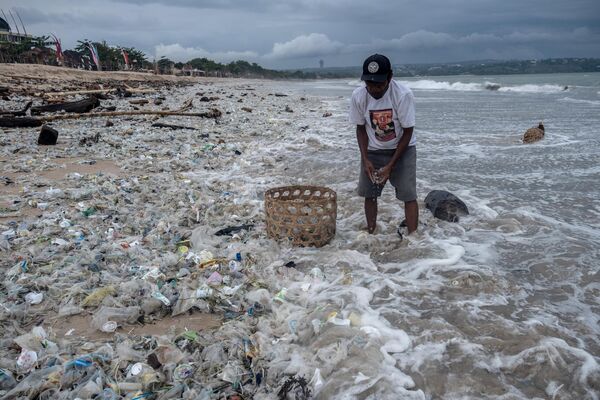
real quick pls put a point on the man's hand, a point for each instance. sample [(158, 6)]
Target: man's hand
[(369, 170), (384, 174)]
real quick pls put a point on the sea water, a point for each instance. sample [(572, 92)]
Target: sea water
[(503, 304)]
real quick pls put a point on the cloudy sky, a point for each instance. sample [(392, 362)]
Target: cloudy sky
[(299, 33)]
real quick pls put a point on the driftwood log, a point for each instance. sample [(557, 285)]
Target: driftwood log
[(213, 113), (139, 101), (29, 122), (171, 126), (20, 122), (97, 91), (80, 106)]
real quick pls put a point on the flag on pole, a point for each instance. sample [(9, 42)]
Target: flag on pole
[(125, 57), (94, 53), (59, 53)]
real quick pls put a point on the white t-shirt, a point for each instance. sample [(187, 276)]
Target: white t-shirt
[(384, 118)]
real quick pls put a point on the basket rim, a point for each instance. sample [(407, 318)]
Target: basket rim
[(269, 193)]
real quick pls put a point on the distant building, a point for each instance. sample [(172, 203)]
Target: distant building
[(6, 35), (188, 70)]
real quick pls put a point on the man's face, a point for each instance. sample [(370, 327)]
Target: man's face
[(377, 89)]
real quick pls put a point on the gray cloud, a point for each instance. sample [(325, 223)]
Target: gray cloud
[(297, 33), (312, 45)]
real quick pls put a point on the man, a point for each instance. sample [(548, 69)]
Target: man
[(384, 113)]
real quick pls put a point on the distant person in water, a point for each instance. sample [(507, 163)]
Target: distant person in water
[(384, 113)]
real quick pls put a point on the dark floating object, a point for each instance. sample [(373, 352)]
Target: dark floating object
[(48, 136), (534, 134), (233, 229), (492, 86), (446, 206)]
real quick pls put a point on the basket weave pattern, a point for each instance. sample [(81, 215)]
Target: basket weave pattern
[(305, 215)]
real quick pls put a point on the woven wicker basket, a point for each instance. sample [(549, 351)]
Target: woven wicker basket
[(305, 215)]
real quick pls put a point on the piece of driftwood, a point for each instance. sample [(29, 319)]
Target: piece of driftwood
[(95, 91), (213, 113), (171, 126), (20, 113), (30, 122), (187, 105), (139, 101), (20, 122), (80, 106)]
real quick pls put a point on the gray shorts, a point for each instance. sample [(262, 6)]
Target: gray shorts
[(403, 177)]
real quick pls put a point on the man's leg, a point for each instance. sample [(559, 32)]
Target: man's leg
[(371, 213), (411, 212)]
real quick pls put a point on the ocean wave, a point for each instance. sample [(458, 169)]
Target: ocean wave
[(430, 84), (529, 88), (427, 84), (580, 101)]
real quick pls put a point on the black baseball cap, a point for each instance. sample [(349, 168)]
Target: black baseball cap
[(376, 68)]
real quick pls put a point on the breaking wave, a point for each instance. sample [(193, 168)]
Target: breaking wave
[(427, 84), (534, 88), (580, 101)]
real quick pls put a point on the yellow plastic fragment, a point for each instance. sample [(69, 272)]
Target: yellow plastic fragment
[(96, 297)]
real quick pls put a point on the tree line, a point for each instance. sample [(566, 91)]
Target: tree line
[(42, 50)]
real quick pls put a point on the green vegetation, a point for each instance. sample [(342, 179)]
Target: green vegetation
[(111, 57), (25, 51)]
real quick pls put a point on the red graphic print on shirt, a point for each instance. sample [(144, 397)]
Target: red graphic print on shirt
[(383, 124)]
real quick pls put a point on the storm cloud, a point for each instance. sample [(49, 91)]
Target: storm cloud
[(299, 33)]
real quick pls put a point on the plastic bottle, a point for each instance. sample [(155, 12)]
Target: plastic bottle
[(7, 381)]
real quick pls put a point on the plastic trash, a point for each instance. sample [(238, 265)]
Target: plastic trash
[(7, 381), (107, 394), (316, 381), (109, 327), (34, 382), (215, 279), (162, 298), (96, 297), (127, 315), (183, 371), (34, 298), (27, 360)]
